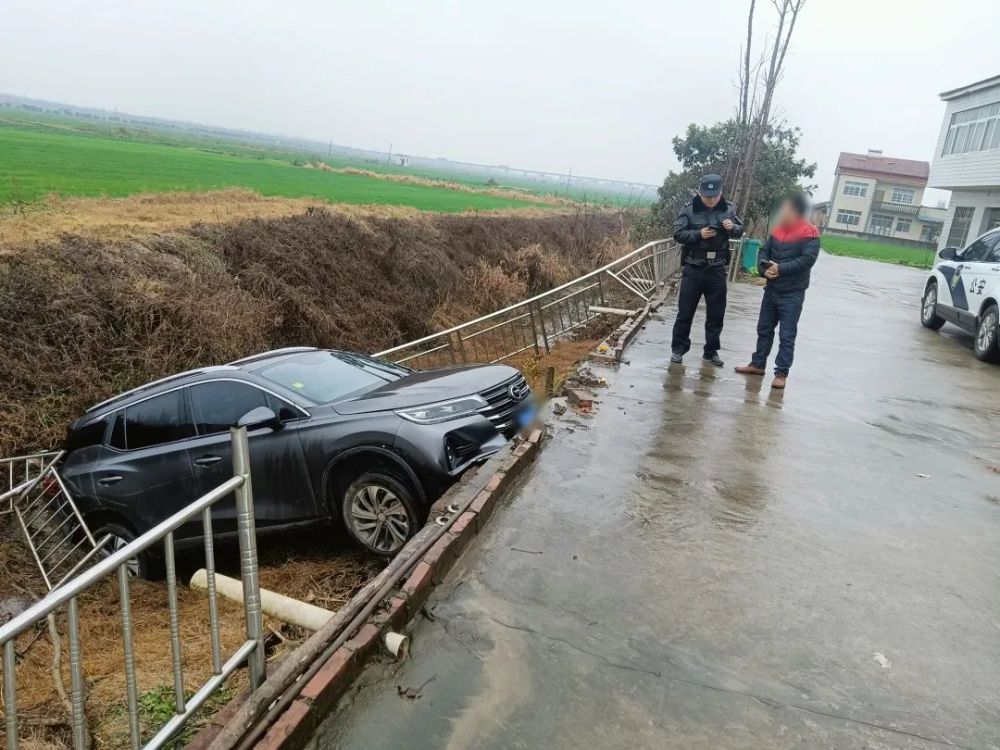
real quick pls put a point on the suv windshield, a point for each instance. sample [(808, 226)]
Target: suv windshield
[(329, 376)]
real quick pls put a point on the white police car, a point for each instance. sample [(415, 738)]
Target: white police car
[(964, 289)]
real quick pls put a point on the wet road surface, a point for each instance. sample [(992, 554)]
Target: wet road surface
[(705, 563)]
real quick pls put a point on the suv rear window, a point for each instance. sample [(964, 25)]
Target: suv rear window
[(158, 420), (329, 376), (86, 436)]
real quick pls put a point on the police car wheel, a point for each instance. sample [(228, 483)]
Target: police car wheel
[(987, 332), (928, 309)]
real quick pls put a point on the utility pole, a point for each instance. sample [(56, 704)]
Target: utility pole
[(388, 159)]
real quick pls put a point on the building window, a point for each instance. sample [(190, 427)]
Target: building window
[(902, 225), (859, 189), (880, 225), (960, 224), (902, 195), (976, 129), (851, 218)]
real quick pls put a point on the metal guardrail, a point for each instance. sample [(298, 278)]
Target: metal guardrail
[(53, 529), (250, 652), (16, 472), (533, 324)]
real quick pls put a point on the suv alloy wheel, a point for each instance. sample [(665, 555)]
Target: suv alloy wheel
[(380, 512), (928, 309), (987, 346)]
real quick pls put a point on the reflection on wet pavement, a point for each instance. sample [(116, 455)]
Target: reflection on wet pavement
[(728, 566)]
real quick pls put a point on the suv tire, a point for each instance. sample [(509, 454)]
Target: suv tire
[(380, 512), (141, 566), (986, 344), (928, 313)]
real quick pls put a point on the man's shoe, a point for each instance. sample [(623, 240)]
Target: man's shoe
[(750, 370), (713, 360), (779, 381), (676, 358)]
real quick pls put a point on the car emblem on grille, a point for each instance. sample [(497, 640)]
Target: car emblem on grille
[(518, 391)]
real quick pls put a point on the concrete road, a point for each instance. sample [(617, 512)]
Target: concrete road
[(705, 563)]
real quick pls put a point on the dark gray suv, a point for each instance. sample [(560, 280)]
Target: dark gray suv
[(347, 438)]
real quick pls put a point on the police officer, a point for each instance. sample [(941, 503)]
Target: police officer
[(703, 229)]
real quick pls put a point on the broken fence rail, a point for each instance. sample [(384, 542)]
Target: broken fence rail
[(250, 652), (533, 324), (54, 531), (16, 472)]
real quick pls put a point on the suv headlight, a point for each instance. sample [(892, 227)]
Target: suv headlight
[(443, 411)]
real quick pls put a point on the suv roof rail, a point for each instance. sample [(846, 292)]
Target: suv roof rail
[(155, 383), (273, 353)]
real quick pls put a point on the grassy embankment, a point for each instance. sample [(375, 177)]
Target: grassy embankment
[(34, 164), (857, 248)]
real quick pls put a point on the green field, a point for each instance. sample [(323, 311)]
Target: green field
[(857, 248), (34, 163), (45, 123)]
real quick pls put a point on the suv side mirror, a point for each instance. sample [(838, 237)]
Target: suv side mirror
[(948, 253), (260, 417)]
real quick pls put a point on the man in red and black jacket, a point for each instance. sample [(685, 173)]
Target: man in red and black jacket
[(785, 261)]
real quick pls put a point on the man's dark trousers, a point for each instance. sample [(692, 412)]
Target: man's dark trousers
[(696, 281), (778, 309)]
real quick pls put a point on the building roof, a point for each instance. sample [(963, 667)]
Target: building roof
[(883, 166), (970, 88)]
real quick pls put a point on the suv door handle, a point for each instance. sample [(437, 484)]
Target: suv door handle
[(207, 460), (110, 480)]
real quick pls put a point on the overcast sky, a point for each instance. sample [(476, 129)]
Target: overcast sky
[(599, 88)]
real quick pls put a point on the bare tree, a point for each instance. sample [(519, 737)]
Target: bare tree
[(758, 83)]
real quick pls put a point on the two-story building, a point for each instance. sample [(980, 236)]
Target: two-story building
[(880, 196), (967, 161)]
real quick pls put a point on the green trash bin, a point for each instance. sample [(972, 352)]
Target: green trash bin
[(750, 248)]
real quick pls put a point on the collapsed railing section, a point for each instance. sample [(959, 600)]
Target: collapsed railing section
[(250, 652), (533, 324), (53, 529), (17, 472)]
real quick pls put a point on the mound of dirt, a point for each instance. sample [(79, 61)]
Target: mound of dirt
[(83, 318)]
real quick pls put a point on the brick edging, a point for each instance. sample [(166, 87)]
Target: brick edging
[(318, 697)]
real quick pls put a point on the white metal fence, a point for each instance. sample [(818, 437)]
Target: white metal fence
[(250, 652), (533, 324)]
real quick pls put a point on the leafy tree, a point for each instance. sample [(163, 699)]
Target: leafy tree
[(715, 149)]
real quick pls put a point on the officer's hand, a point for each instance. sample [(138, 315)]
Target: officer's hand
[(728, 224), (707, 233), (772, 270)]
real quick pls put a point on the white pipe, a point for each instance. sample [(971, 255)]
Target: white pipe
[(285, 608), (397, 644)]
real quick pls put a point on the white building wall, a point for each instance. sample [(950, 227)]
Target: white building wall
[(980, 200), (977, 169)]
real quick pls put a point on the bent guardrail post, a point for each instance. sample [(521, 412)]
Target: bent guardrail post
[(248, 555)]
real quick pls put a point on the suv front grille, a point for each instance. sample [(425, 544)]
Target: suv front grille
[(502, 404)]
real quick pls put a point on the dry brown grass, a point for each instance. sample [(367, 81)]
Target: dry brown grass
[(496, 192), (116, 219), (82, 319)]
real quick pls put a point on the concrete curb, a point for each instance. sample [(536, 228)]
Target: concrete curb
[(295, 726), (615, 344)]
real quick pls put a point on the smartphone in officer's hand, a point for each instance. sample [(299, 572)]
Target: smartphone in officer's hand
[(707, 233)]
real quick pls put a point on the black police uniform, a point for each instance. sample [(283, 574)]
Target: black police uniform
[(704, 267)]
